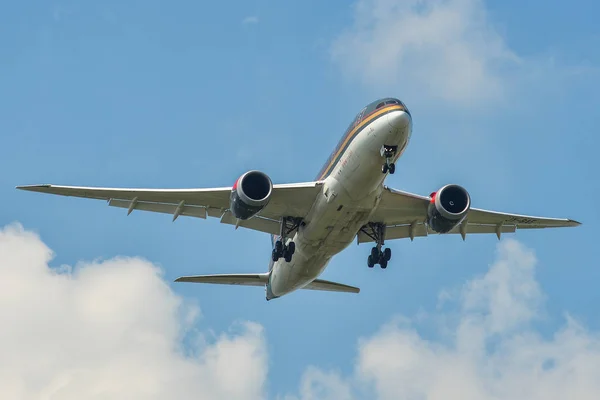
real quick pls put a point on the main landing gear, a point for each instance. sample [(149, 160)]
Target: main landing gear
[(378, 256), (286, 251), (281, 249), (388, 152)]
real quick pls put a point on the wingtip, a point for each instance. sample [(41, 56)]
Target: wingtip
[(574, 223), (32, 187)]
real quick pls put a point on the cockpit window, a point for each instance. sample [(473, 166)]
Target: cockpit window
[(388, 102)]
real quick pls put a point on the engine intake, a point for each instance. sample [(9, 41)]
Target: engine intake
[(250, 194), (449, 206)]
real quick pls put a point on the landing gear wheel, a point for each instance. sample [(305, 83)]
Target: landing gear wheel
[(376, 231), (384, 168), (375, 254), (392, 168), (387, 254), (286, 252), (383, 263), (370, 262), (281, 249), (287, 255)]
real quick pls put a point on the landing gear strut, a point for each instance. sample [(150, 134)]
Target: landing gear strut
[(376, 231), (281, 249), (388, 152)]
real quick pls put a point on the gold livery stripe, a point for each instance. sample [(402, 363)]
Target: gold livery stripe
[(351, 134)]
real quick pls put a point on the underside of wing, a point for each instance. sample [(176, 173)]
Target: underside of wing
[(405, 215), (478, 216), (289, 200), (228, 279), (190, 202)]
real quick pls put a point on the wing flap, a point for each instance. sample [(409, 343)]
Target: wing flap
[(256, 223), (228, 279), (419, 230), (190, 211), (329, 286)]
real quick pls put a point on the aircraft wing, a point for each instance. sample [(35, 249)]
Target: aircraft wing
[(404, 216), (292, 200)]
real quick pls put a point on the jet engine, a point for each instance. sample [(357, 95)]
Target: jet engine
[(448, 207), (250, 194)]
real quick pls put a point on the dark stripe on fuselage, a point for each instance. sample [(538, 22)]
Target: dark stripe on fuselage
[(352, 132)]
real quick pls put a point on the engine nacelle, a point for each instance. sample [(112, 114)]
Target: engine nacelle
[(449, 206), (250, 194)]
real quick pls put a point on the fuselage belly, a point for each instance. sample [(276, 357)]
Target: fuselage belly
[(351, 190)]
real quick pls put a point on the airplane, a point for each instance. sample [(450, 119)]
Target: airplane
[(310, 222)]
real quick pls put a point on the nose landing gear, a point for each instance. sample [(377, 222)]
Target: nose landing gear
[(388, 167), (378, 256), (388, 152)]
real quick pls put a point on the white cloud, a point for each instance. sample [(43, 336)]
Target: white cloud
[(111, 329), (508, 295), (114, 329), (446, 49), (250, 20), (489, 349), (320, 385)]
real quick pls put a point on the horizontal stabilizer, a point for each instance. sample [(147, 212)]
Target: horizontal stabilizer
[(228, 279), (262, 279), (320, 284)]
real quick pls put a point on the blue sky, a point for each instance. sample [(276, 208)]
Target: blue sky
[(504, 98)]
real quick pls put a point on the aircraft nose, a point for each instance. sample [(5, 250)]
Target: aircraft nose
[(399, 119)]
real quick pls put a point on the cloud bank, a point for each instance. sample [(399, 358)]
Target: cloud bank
[(446, 49), (111, 329), (114, 329), (487, 347)]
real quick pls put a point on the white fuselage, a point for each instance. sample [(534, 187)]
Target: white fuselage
[(350, 193)]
